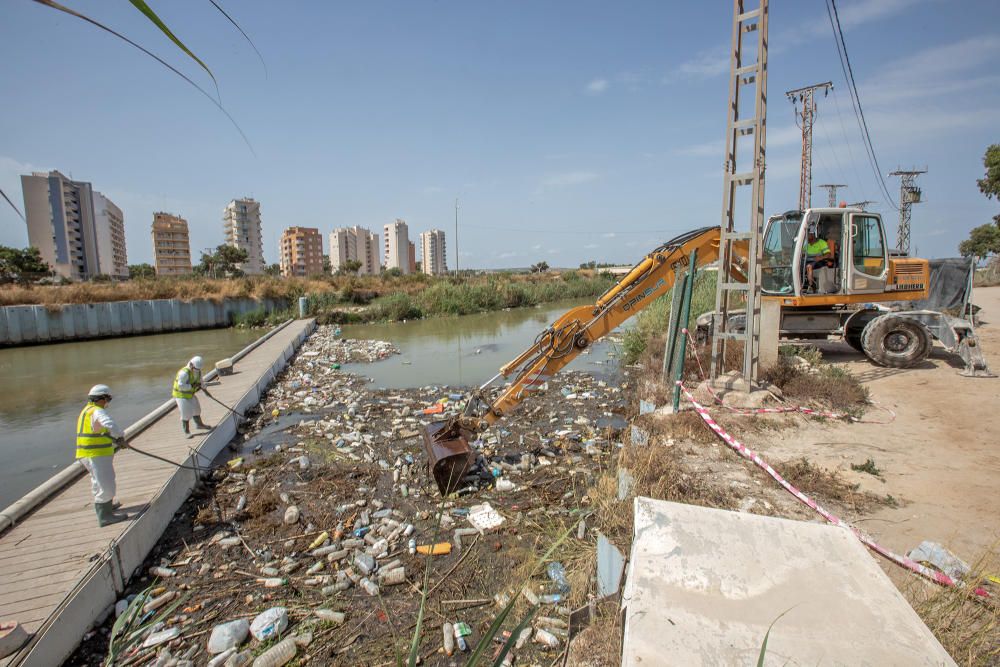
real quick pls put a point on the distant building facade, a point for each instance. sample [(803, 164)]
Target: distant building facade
[(171, 245), (355, 244), (78, 231), (411, 255), (396, 246), (301, 252), (432, 253), (242, 230)]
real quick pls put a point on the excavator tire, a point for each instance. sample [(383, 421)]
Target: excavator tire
[(895, 342), (854, 340)]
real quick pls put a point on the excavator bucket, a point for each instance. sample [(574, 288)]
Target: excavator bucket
[(449, 454)]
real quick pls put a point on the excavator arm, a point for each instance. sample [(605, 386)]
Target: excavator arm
[(446, 442)]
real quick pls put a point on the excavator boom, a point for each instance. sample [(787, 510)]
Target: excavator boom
[(447, 443)]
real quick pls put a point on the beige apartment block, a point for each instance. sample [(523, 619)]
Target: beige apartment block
[(171, 245), (241, 220), (78, 231), (301, 251), (355, 244), (432, 253), (396, 246)]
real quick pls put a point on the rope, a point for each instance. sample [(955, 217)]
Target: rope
[(160, 458)]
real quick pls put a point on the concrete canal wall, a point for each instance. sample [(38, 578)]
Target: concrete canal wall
[(28, 325)]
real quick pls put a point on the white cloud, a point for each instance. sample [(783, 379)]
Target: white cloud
[(537, 246), (704, 65), (597, 86), (609, 235), (508, 255), (568, 178), (554, 251), (591, 246)]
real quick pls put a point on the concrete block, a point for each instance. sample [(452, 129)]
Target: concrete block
[(41, 316), (703, 586), (770, 325)]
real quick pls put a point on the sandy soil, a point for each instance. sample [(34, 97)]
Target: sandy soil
[(941, 455)]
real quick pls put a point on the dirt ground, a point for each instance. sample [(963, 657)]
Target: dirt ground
[(940, 457)]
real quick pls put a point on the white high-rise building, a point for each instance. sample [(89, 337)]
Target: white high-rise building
[(432, 250), (79, 232), (396, 246), (242, 224), (354, 244)]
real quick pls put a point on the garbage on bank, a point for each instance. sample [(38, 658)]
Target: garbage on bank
[(316, 538)]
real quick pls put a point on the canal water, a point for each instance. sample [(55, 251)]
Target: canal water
[(46, 386), (467, 350)]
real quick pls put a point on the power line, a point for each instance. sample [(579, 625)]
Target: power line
[(847, 142), (845, 64)]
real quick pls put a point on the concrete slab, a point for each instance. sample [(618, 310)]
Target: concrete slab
[(703, 586)]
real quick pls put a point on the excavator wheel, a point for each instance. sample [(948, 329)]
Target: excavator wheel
[(896, 342), (854, 340)]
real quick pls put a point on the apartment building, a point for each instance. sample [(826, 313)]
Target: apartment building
[(355, 244), (396, 246), (171, 245), (79, 232), (432, 253), (411, 256), (241, 219), (301, 252)]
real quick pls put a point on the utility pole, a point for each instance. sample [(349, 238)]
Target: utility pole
[(831, 190), (456, 237), (732, 294), (909, 194), (805, 120)]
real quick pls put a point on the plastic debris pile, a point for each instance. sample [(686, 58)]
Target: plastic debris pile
[(312, 542)]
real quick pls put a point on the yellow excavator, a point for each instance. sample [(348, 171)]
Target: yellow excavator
[(845, 300)]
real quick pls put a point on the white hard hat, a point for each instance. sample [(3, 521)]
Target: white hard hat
[(100, 391), (196, 362)]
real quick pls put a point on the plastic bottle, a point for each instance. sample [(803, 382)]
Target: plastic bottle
[(318, 542), (331, 616), (369, 587), (291, 515), (462, 630), (269, 623), (392, 577), (162, 572), (449, 638), (278, 655), (557, 573), (545, 638)]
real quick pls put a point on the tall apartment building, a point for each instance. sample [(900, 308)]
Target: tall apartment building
[(79, 232), (355, 244), (171, 245), (242, 224), (301, 251), (432, 253), (411, 256), (396, 246)]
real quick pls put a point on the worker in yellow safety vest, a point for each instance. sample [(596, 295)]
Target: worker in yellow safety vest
[(97, 439), (187, 382)]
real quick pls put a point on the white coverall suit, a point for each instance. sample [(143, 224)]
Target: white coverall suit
[(101, 468), (189, 407)]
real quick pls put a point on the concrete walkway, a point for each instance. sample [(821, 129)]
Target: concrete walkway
[(59, 570)]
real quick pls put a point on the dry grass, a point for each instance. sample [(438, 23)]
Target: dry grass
[(967, 626), (828, 485), (348, 289), (599, 645)]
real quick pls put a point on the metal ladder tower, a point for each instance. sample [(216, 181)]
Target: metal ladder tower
[(831, 192), (739, 289), (909, 194), (805, 120)]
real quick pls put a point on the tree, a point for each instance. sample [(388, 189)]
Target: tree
[(990, 184), (223, 262), (983, 241), (22, 266), (349, 268), (272, 270), (142, 271), (394, 272), (541, 267), (327, 267)]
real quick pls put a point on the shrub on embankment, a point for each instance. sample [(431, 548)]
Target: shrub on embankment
[(654, 321)]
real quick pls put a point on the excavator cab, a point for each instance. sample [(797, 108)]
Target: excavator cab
[(828, 256)]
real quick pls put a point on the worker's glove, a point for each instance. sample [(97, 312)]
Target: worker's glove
[(121, 443)]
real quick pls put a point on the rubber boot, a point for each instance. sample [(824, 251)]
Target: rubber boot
[(106, 515), (185, 427), (200, 424)]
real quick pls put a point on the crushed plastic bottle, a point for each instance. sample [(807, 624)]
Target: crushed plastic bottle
[(557, 573), (449, 638), (330, 616), (278, 655), (545, 638), (291, 515), (162, 572)]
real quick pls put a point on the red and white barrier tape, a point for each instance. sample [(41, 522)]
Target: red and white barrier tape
[(749, 454), (778, 410)]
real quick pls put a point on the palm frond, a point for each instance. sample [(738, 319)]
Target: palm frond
[(13, 205), (152, 16), (237, 26)]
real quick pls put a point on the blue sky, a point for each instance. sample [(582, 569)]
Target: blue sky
[(569, 130)]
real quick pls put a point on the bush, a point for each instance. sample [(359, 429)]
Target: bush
[(396, 307)]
